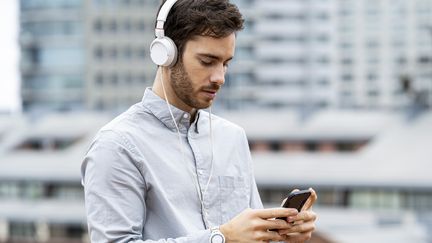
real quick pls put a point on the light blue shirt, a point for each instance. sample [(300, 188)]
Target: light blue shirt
[(139, 187)]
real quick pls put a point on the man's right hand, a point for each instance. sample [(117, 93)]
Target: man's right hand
[(253, 225)]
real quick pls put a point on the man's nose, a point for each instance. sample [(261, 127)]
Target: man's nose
[(218, 75)]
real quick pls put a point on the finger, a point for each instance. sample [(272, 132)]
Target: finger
[(303, 216), (311, 200), (269, 213), (275, 224), (300, 228), (269, 236), (298, 237)]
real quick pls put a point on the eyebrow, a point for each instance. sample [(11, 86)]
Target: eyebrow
[(213, 56)]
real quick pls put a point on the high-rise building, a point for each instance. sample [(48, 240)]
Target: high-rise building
[(292, 54), (332, 53), (52, 54), (118, 37), (85, 54)]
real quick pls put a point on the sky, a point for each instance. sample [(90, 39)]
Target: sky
[(9, 57)]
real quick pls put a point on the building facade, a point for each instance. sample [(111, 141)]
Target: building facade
[(52, 55), (342, 54)]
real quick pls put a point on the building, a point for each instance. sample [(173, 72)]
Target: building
[(296, 54), (85, 55), (52, 55), (343, 54), (41, 199), (370, 169), (118, 36)]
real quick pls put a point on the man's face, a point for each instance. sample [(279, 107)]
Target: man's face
[(200, 74)]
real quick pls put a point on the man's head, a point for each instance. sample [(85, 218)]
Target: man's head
[(190, 18), (204, 33)]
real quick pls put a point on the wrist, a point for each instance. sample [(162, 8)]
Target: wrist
[(225, 230)]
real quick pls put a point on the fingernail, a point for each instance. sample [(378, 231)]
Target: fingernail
[(290, 219)]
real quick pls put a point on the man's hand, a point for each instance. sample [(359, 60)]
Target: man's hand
[(253, 225), (303, 224)]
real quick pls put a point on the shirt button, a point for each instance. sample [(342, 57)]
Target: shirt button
[(186, 115)]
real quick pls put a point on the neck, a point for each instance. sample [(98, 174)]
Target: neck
[(163, 75)]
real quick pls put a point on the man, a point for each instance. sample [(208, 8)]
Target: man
[(167, 171)]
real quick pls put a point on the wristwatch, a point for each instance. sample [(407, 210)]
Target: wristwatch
[(216, 235)]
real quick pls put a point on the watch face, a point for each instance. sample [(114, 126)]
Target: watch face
[(217, 239)]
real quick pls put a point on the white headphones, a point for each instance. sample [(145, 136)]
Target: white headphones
[(163, 50)]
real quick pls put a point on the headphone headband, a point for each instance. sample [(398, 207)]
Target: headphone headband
[(162, 16), (163, 50)]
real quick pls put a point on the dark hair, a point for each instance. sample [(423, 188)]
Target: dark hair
[(189, 18)]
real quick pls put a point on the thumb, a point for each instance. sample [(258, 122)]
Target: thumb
[(311, 200)]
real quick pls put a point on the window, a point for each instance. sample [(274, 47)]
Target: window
[(22, 230), (53, 57), (99, 79), (127, 52), (126, 26), (52, 81), (99, 53), (114, 79), (140, 26), (323, 60), (63, 231), (98, 25), (48, 143), (113, 26), (347, 77), (372, 44), (34, 4), (141, 53), (346, 45), (375, 199), (53, 28), (373, 93), (65, 191), (346, 61), (113, 53), (372, 76)]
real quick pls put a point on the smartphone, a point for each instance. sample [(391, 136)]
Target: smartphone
[(296, 200)]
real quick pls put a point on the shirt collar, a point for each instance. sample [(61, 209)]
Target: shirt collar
[(158, 107)]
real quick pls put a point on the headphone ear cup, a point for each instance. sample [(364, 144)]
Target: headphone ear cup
[(163, 51)]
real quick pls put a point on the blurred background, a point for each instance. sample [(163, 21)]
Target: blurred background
[(333, 94)]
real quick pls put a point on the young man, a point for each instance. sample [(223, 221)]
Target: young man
[(167, 171)]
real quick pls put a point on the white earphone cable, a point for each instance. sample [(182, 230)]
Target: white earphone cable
[(195, 176)]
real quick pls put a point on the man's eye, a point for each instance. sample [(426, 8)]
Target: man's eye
[(206, 63)]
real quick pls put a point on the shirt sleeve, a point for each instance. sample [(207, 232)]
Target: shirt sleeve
[(114, 190)]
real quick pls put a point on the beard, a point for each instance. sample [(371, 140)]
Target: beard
[(182, 86)]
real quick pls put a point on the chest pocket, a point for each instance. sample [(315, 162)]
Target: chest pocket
[(233, 196)]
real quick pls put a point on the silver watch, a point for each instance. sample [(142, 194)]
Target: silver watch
[(216, 236)]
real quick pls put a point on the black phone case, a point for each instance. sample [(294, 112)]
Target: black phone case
[(296, 200)]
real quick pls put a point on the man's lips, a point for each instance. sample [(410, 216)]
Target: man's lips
[(210, 93)]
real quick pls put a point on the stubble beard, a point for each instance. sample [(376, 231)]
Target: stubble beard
[(182, 86)]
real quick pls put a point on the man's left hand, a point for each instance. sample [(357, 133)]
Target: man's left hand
[(303, 224)]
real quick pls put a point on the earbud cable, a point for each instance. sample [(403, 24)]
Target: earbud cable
[(195, 176)]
